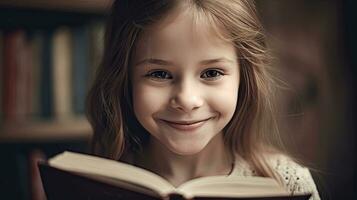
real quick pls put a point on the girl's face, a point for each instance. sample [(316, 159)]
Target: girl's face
[(185, 83)]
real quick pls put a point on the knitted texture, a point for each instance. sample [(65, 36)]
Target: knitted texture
[(295, 177)]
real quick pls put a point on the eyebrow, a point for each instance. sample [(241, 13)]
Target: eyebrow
[(166, 62)]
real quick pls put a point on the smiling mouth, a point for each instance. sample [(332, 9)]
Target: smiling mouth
[(186, 125)]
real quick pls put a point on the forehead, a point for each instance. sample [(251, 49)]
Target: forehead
[(183, 30)]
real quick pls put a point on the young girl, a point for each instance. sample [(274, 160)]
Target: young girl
[(184, 90)]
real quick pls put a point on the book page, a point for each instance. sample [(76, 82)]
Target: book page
[(232, 186), (112, 171)]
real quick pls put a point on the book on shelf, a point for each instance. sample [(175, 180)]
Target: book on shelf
[(81, 67), (46, 78), (79, 176), (36, 44), (9, 67), (61, 65), (14, 88)]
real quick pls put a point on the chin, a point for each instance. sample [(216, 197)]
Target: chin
[(186, 149)]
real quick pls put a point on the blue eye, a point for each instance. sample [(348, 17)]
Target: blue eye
[(159, 75), (212, 74)]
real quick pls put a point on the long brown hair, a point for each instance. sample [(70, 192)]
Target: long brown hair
[(252, 128)]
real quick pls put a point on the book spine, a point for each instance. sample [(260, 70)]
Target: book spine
[(46, 97), (23, 71), (80, 67), (12, 45), (28, 79), (62, 64), (36, 47)]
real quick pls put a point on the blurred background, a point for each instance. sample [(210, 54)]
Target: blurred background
[(49, 51), (315, 48)]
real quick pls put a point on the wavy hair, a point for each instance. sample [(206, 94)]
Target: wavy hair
[(251, 132)]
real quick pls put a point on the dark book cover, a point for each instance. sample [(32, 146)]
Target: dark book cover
[(61, 184)]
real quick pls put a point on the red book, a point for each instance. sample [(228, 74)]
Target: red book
[(13, 44)]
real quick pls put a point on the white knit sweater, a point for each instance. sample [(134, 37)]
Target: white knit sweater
[(295, 177)]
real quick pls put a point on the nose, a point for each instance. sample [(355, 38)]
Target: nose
[(186, 97)]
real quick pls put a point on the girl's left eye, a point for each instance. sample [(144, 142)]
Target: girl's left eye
[(212, 74), (159, 75)]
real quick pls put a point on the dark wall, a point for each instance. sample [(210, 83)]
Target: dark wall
[(350, 42), (314, 43)]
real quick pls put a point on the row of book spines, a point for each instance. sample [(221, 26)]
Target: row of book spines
[(45, 74)]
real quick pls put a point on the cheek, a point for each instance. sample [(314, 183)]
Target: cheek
[(224, 100), (226, 104), (147, 100)]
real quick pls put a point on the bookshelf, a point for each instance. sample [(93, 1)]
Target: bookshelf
[(55, 47), (76, 129), (30, 17), (88, 6)]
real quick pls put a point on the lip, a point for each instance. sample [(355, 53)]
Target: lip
[(186, 125)]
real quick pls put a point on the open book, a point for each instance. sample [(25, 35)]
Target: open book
[(79, 176)]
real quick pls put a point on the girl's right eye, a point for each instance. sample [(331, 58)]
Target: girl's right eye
[(158, 75)]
